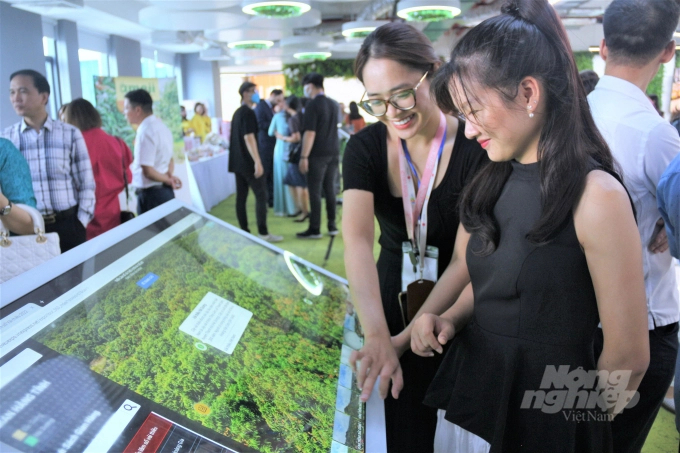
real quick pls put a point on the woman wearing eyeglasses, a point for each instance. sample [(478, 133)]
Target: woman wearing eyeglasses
[(416, 154)]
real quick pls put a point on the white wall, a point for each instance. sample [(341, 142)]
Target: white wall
[(201, 82), (21, 47)]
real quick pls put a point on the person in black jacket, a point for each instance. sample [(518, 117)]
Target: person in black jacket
[(265, 112)]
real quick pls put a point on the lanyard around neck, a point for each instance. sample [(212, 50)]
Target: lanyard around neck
[(415, 204)]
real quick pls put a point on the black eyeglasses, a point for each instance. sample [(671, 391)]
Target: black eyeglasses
[(403, 100)]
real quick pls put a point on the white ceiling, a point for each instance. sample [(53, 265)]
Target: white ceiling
[(168, 17)]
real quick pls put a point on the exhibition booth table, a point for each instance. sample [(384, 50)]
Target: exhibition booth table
[(176, 332), (210, 181)]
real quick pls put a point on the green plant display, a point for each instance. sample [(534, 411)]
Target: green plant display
[(278, 11), (275, 393), (166, 108), (584, 60), (656, 85), (430, 15), (294, 73), (113, 120)]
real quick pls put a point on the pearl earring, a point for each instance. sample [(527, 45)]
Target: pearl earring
[(531, 114)]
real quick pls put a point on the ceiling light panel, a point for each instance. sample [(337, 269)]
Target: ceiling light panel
[(428, 10), (247, 34), (278, 9), (195, 5), (158, 18), (361, 29)]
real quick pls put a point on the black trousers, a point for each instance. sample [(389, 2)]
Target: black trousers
[(267, 158), (631, 427), (259, 186), (147, 199), (71, 232), (321, 176)]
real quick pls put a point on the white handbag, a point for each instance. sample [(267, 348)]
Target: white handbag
[(21, 253)]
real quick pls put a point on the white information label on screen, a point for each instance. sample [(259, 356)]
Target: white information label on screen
[(217, 322), (17, 315)]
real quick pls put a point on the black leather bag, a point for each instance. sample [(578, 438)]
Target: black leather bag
[(295, 153)]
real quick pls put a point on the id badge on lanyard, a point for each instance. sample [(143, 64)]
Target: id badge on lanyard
[(419, 261)]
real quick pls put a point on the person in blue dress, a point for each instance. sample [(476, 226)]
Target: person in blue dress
[(296, 181), (16, 186), (284, 204)]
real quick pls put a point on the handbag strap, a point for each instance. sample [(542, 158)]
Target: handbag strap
[(38, 221), (122, 161)]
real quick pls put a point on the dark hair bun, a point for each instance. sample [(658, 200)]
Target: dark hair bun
[(511, 8)]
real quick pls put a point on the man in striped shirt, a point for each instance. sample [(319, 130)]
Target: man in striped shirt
[(57, 157)]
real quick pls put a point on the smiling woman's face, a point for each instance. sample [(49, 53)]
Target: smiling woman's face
[(383, 78), (504, 129)]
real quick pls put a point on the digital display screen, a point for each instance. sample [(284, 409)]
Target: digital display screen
[(186, 336)]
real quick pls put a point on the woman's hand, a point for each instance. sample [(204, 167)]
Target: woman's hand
[(401, 343), (431, 332), (377, 358)]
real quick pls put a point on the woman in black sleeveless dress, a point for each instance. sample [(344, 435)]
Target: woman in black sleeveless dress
[(390, 64), (548, 240)]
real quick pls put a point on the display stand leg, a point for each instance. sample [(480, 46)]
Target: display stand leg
[(328, 251)]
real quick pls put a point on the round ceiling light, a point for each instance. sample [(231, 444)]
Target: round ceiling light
[(361, 29), (275, 8), (428, 10), (312, 18), (253, 44), (307, 56)]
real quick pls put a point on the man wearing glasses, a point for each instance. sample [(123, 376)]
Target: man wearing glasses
[(320, 154)]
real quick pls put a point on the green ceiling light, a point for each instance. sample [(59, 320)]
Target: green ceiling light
[(253, 44), (361, 29), (358, 32), (428, 10), (307, 56), (276, 9)]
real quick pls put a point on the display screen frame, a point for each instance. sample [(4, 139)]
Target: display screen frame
[(53, 279)]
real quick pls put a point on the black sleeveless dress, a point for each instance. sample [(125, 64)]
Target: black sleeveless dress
[(410, 424), (535, 306)]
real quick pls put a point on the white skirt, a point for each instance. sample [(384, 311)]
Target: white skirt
[(451, 438)]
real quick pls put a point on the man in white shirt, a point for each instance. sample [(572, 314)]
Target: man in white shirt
[(153, 165), (638, 38)]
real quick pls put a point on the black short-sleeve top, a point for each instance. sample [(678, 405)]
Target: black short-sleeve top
[(244, 122), (365, 168), (321, 116)]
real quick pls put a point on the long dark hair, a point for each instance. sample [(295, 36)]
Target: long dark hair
[(294, 104), (527, 39), (354, 111)]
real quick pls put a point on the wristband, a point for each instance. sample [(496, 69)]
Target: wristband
[(303, 157)]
